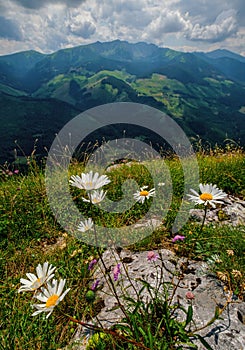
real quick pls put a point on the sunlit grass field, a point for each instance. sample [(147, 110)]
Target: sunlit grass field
[(30, 234)]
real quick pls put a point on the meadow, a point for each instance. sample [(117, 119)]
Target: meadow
[(30, 234)]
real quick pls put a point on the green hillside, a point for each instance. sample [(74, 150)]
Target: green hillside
[(211, 110), (10, 91), (204, 93), (25, 119)]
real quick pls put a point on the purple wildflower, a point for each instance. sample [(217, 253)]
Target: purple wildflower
[(178, 238), (116, 272), (91, 264), (151, 256), (95, 285)]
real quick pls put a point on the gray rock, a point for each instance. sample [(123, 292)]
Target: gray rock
[(226, 333), (241, 313)]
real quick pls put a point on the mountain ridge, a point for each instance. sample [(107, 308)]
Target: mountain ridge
[(115, 54), (214, 53)]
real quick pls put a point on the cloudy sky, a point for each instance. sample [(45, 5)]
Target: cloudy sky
[(185, 25)]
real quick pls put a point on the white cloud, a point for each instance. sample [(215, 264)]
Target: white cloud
[(84, 29), (224, 26), (166, 22), (48, 25), (80, 24), (37, 4)]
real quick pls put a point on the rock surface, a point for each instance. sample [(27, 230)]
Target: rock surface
[(232, 212), (226, 333)]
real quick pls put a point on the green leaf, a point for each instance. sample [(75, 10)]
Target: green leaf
[(189, 315), (150, 338), (203, 341)]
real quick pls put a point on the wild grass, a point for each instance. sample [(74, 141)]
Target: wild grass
[(30, 234)]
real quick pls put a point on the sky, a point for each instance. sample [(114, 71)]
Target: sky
[(188, 25)]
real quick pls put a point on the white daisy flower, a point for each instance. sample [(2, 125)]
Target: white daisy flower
[(210, 194), (51, 297), (86, 225), (96, 197), (89, 181), (143, 194), (214, 259), (44, 274)]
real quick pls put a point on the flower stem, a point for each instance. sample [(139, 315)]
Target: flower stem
[(128, 276), (110, 282), (204, 217)]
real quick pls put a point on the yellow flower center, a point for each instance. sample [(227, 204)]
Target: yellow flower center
[(206, 197), (52, 300), (144, 193), (96, 200), (36, 284)]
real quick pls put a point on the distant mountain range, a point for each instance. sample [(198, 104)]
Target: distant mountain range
[(39, 93)]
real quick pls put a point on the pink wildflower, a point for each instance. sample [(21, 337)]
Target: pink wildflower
[(178, 238), (189, 295), (16, 171), (116, 272), (151, 256)]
